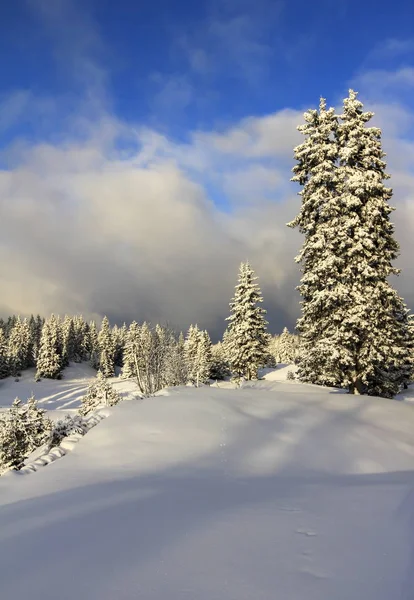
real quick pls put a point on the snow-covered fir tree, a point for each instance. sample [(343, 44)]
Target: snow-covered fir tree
[(69, 341), (286, 347), (100, 394), (177, 366), (107, 349), (19, 347), (36, 336), (92, 346), (198, 355), (354, 327), (119, 335), (247, 338), (192, 341), (139, 359), (81, 339), (131, 350), (204, 357), (23, 429), (49, 360), (317, 173), (4, 362)]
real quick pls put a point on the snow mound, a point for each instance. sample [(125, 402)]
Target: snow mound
[(284, 491)]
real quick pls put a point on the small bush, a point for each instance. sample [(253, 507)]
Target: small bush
[(66, 427), (290, 376)]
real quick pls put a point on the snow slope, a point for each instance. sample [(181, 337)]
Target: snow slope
[(284, 492), (63, 395)]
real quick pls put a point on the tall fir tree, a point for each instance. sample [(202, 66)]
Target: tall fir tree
[(81, 335), (131, 351), (4, 362), (49, 360), (107, 349), (19, 347), (317, 173), (354, 327), (247, 338), (191, 351), (68, 340), (92, 346), (286, 347)]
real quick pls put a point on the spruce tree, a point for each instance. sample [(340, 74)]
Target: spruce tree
[(37, 334), (100, 394), (119, 335), (220, 368), (247, 339), (49, 361), (19, 347), (107, 349), (81, 339), (286, 347), (354, 327), (191, 353), (69, 341), (317, 173), (93, 346), (23, 429), (131, 351), (178, 363), (204, 357), (4, 362)]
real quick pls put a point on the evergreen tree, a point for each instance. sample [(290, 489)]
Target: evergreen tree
[(9, 325), (92, 346), (204, 357), (177, 363), (100, 394), (354, 327), (31, 362), (191, 353), (131, 351), (247, 339), (23, 429), (107, 349), (19, 347), (36, 336), (69, 341), (81, 335), (317, 173), (220, 368), (4, 362), (49, 361), (119, 336), (286, 347)]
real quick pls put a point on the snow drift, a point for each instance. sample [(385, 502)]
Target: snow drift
[(272, 491)]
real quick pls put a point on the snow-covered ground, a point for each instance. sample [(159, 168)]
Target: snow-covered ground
[(273, 491), (55, 396)]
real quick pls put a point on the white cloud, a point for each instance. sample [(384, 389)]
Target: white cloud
[(90, 227), (134, 238)]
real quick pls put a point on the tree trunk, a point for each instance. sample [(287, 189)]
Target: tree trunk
[(356, 387)]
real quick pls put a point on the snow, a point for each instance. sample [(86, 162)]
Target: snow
[(277, 490), (56, 396)]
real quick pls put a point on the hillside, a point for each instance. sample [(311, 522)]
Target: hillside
[(274, 491)]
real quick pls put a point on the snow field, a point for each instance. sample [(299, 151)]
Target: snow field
[(284, 491)]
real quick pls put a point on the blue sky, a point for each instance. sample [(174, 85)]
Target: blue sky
[(146, 147), (188, 65)]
